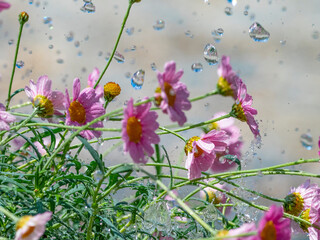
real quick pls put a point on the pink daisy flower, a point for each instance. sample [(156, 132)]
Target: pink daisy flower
[(84, 108), (138, 131), (312, 215), (273, 226), (245, 228), (4, 5), (300, 198), (49, 102), (92, 79), (5, 118), (243, 111), (172, 96), (32, 227), (202, 151), (319, 146), (228, 82)]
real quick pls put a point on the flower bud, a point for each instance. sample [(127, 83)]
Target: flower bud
[(23, 17), (111, 90)]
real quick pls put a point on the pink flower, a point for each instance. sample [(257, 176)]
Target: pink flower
[(172, 96), (273, 226), (300, 198), (202, 151), (5, 118), (92, 79), (243, 111), (4, 5), (49, 102), (319, 146), (138, 131), (32, 227), (228, 82), (312, 215), (84, 108), (245, 228)]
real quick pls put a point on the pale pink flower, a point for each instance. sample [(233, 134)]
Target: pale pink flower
[(4, 5), (172, 96), (243, 111), (5, 118), (49, 102), (228, 82), (32, 227), (313, 218), (92, 79), (201, 151), (319, 146), (84, 108), (138, 131), (245, 228), (274, 226)]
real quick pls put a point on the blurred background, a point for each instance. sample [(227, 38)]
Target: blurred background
[(63, 40)]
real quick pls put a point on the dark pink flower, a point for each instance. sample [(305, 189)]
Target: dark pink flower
[(172, 96), (84, 108), (4, 5), (228, 82), (319, 146), (274, 226), (202, 151), (245, 228), (92, 79), (32, 227), (50, 103), (243, 111), (138, 131), (5, 118)]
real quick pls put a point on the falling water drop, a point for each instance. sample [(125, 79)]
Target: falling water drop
[(11, 41), (197, 67), (118, 57), (130, 31), (210, 54), (228, 11), (69, 36), (137, 79), (306, 141), (47, 20), (20, 64), (153, 66), (88, 7), (258, 33), (60, 60), (159, 25)]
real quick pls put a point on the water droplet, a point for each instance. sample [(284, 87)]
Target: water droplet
[(97, 175), (188, 34), (50, 46), (79, 53), (233, 2), (130, 31), (228, 11), (76, 43), (245, 12), (88, 7), (30, 2), (284, 9), (258, 33), (69, 36), (118, 57), (283, 42), (315, 35), (210, 54), (11, 41), (47, 20), (20, 64), (159, 25), (306, 141), (252, 17), (197, 67), (127, 74), (60, 60), (137, 79), (153, 66)]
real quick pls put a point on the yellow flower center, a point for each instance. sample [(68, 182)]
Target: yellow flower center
[(237, 111), (22, 222), (293, 204), (77, 112), (188, 147), (211, 197), (44, 104), (305, 215), (134, 129), (171, 95), (224, 87), (214, 125), (158, 99), (269, 232), (222, 233), (111, 90)]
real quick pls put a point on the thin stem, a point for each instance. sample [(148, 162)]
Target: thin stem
[(14, 65), (9, 214), (117, 42), (174, 133), (204, 96), (21, 105)]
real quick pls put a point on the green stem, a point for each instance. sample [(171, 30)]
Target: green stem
[(16, 128), (14, 65), (204, 96), (174, 133), (9, 214), (21, 105), (117, 42)]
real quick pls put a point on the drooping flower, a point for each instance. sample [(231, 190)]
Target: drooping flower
[(92, 79), (201, 151), (245, 228), (5, 118), (273, 226), (32, 227), (4, 5), (49, 102), (111, 90), (229, 81), (84, 108), (138, 131), (243, 111), (172, 95)]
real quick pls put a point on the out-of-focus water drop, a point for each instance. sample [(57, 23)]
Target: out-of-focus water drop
[(228, 11), (20, 64), (50, 46), (118, 57), (97, 175), (188, 34), (60, 60), (153, 66), (88, 7), (130, 31), (137, 79), (47, 20), (258, 33), (197, 67), (233, 2), (315, 35), (76, 43), (11, 41), (69, 36), (306, 141), (210, 54), (159, 25)]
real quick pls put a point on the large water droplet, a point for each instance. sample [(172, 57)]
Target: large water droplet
[(306, 141), (258, 33), (137, 79), (210, 54), (47, 20), (159, 25), (197, 67), (88, 7), (118, 57), (20, 64)]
